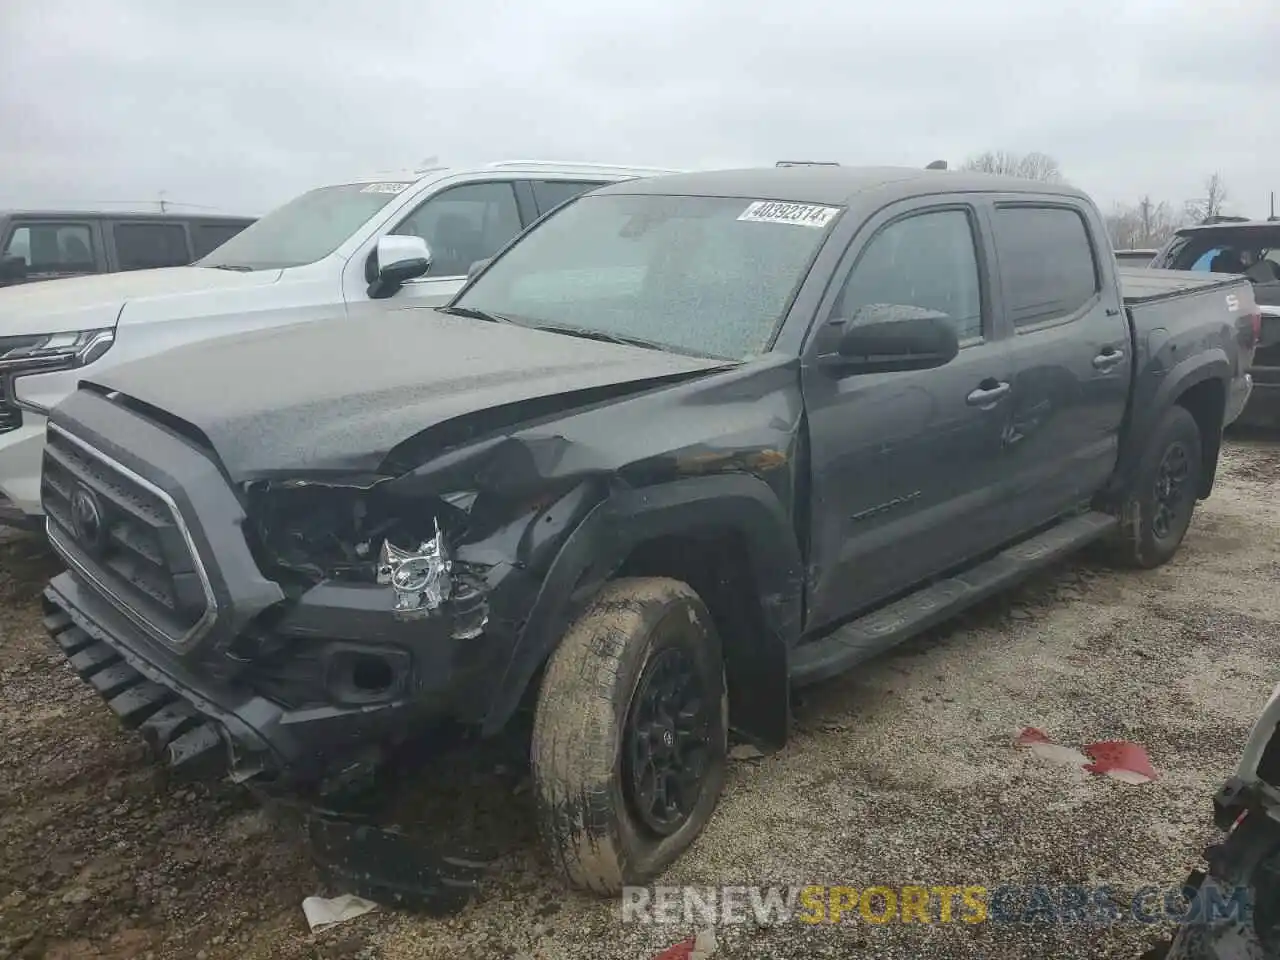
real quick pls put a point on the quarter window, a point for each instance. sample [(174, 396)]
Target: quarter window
[(464, 224), (926, 260), (208, 237), (549, 194), (143, 246), (1047, 262)]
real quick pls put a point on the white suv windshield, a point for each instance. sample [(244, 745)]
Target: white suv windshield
[(701, 275), (306, 229)]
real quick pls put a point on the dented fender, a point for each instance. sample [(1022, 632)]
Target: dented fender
[(607, 535)]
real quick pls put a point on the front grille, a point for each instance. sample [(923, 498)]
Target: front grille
[(1268, 356), (126, 538), (10, 412)]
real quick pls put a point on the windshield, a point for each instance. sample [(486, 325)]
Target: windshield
[(306, 229), (1253, 253), (706, 276)]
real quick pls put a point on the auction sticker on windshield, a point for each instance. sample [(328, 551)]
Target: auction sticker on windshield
[(386, 188), (775, 211)]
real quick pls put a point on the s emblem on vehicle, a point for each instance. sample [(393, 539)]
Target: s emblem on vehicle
[(1233, 302), (86, 520)]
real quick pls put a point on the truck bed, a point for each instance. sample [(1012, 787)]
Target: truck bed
[(1142, 285)]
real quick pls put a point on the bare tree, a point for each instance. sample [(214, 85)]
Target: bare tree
[(1029, 166), (1147, 223), (1213, 201)]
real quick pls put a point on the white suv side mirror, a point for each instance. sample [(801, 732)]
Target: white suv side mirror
[(396, 260)]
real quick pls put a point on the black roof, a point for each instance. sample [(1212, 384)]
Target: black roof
[(117, 214), (1227, 226), (829, 185)]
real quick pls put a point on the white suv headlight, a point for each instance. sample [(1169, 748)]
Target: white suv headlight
[(53, 351)]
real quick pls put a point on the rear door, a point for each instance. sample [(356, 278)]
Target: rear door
[(1071, 355), (906, 465)]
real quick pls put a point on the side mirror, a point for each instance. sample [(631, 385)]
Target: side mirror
[(396, 260), (13, 268), (478, 266), (885, 338)]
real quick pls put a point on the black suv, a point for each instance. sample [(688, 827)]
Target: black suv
[(46, 245)]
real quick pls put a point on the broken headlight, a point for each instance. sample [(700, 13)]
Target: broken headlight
[(420, 578), (312, 531), (423, 581)]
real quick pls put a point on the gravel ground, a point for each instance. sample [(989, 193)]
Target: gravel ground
[(904, 773)]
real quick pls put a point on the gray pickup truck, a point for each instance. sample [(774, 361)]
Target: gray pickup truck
[(688, 442)]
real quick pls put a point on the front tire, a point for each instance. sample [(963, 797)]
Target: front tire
[(1162, 498), (629, 738)]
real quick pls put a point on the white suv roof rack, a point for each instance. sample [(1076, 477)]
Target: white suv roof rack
[(576, 165)]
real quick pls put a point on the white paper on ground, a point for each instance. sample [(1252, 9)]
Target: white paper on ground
[(324, 912)]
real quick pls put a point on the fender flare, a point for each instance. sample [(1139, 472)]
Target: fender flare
[(1187, 373), (616, 526)]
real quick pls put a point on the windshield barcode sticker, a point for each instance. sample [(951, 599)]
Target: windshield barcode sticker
[(775, 211), (386, 188)]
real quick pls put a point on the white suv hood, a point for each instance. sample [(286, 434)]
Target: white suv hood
[(89, 303)]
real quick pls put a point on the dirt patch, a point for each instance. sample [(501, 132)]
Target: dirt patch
[(902, 772)]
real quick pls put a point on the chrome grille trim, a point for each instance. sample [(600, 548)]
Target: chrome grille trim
[(210, 615)]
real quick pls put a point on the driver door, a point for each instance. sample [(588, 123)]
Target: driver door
[(905, 465)]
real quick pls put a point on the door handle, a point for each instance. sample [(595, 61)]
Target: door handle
[(986, 395), (1108, 358)]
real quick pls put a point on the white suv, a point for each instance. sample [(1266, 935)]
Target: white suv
[(349, 251)]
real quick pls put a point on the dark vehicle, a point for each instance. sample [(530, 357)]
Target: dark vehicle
[(1235, 912), (45, 245), (1134, 258), (1250, 248), (689, 441)]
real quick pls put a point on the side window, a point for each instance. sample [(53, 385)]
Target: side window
[(549, 194), (53, 248), (207, 237), (1046, 262), (464, 224), (925, 260), (141, 246)]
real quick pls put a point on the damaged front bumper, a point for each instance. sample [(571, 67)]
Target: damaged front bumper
[(205, 728)]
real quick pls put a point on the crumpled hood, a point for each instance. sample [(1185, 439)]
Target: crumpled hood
[(90, 303), (339, 395)]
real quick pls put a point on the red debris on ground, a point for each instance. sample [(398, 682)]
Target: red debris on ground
[(1120, 759), (679, 951), (1030, 735)]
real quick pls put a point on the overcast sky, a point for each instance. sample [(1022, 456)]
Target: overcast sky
[(239, 105)]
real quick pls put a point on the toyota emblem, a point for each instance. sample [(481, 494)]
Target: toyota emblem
[(86, 519)]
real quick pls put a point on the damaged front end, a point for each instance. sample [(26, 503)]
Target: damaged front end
[(351, 619)]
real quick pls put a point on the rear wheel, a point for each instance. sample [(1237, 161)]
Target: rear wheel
[(1157, 511), (629, 737)]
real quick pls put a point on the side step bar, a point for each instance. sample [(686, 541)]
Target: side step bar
[(884, 628)]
